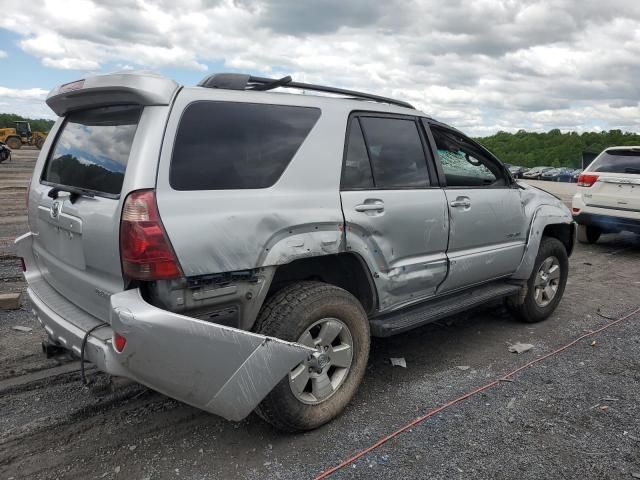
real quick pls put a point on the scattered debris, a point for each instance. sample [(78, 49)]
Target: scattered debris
[(117, 469), (10, 301), (511, 403), (133, 447), (398, 362), (593, 344), (587, 263), (463, 367), (635, 475), (604, 407), (20, 328), (520, 347), (383, 460)]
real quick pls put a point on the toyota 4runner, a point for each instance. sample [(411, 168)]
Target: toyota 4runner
[(235, 247)]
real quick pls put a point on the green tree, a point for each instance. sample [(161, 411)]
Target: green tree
[(553, 148)]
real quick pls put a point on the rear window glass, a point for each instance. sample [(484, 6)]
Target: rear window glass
[(92, 149), (617, 161), (226, 145)]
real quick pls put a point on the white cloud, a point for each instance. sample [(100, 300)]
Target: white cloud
[(3, 54), (28, 94), (482, 65), (28, 102)]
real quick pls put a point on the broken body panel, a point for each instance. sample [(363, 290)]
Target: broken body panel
[(219, 369)]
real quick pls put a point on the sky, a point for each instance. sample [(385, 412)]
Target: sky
[(480, 65)]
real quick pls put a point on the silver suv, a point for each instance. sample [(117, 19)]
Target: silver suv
[(235, 247)]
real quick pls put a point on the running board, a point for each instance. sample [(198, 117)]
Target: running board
[(402, 320)]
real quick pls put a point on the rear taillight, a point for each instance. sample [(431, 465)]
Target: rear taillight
[(144, 246), (587, 179)]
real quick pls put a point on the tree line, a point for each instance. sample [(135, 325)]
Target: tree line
[(8, 120), (553, 148)]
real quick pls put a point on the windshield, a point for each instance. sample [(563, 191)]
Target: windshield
[(92, 150)]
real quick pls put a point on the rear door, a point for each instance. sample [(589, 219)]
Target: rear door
[(487, 231), (76, 200), (396, 219), (618, 183)]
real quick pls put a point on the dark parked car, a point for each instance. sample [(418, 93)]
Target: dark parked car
[(550, 175), (576, 173), (5, 152), (562, 174), (517, 171), (565, 175), (535, 173)]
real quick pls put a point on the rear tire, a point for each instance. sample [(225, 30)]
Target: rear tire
[(14, 143), (545, 286), (588, 234), (294, 314)]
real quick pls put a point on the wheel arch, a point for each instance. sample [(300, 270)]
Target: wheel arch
[(345, 270), (548, 220)]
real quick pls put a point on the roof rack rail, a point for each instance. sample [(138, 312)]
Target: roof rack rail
[(241, 81)]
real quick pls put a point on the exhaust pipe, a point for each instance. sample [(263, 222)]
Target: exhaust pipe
[(52, 350)]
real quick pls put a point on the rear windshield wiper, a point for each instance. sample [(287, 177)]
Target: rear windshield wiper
[(631, 170), (74, 193)]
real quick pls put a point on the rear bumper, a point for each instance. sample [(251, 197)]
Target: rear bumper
[(220, 369), (608, 222)]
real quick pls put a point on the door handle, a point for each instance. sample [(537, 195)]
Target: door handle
[(461, 202), (370, 207)]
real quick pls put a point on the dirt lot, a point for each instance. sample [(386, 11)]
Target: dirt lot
[(574, 415)]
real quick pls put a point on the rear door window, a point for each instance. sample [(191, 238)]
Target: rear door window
[(617, 161), (395, 149), (92, 150), (228, 145)]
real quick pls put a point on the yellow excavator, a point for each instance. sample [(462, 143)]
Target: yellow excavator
[(22, 135)]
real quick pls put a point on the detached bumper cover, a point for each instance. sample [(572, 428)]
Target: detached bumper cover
[(222, 370)]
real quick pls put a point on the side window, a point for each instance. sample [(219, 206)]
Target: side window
[(356, 172), (395, 149), (227, 145), (463, 162)]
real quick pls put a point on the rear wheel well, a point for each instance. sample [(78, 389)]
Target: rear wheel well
[(344, 270), (564, 232)]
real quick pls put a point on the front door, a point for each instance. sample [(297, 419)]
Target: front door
[(487, 232), (395, 219)]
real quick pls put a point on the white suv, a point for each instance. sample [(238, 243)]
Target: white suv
[(608, 195)]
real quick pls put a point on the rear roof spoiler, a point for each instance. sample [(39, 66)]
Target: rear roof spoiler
[(131, 88)]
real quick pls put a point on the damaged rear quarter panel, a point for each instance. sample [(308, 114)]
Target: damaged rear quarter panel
[(229, 230)]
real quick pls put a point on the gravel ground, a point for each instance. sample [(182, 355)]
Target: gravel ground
[(574, 415)]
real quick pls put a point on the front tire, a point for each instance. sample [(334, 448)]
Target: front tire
[(545, 286), (331, 320), (588, 234)]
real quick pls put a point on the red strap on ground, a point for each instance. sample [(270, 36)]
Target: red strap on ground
[(450, 403)]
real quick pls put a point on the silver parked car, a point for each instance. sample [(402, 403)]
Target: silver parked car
[(235, 248)]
